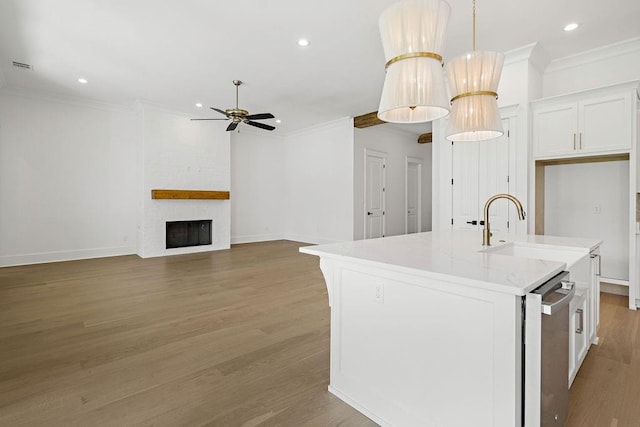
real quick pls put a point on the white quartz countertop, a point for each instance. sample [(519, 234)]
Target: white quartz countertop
[(459, 255)]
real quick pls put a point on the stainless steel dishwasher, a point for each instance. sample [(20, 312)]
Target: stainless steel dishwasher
[(554, 397)]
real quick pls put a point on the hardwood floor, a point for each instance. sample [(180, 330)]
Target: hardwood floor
[(228, 338), (606, 391)]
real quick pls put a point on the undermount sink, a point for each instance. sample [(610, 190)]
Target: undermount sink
[(537, 251)]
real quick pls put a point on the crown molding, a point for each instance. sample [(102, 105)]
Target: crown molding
[(346, 122), (39, 95), (534, 53), (595, 55)]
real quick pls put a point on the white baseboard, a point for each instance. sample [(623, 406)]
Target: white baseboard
[(58, 256), (314, 240), (616, 289), (256, 238)]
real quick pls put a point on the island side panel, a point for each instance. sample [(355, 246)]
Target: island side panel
[(407, 350)]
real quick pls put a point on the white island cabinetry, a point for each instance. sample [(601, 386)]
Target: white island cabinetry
[(427, 329)]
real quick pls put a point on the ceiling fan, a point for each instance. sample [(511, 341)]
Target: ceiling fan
[(238, 115)]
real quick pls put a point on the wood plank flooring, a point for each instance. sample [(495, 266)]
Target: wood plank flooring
[(228, 338), (606, 391)]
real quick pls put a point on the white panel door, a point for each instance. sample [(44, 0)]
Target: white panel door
[(494, 179), (465, 185), (480, 170), (413, 180), (374, 195)]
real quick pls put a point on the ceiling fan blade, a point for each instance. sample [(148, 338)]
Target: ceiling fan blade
[(260, 125), (260, 116), (232, 126), (219, 110), (208, 119)]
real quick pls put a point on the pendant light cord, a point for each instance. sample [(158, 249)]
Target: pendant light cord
[(474, 25)]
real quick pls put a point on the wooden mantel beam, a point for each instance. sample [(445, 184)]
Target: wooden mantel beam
[(366, 120), (189, 194)]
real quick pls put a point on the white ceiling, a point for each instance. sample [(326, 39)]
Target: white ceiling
[(177, 53)]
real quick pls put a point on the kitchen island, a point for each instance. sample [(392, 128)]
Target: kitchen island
[(427, 329)]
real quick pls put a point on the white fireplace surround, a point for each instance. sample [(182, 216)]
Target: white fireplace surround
[(181, 154)]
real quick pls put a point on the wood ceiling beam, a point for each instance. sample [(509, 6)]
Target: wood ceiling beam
[(425, 138), (367, 120)]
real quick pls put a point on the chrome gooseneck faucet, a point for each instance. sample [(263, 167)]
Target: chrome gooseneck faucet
[(486, 232)]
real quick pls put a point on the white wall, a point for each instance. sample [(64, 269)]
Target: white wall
[(67, 179), (257, 186), (617, 63), (319, 183), (398, 145), (181, 154), (591, 200)]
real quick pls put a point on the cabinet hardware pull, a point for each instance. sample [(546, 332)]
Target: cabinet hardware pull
[(574, 141), (580, 327)]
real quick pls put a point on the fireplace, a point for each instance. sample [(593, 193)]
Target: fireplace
[(181, 234)]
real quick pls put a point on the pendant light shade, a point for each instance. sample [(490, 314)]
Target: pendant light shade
[(473, 79), (413, 34)]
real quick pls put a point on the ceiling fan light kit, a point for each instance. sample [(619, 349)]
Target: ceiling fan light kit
[(412, 33), (238, 115)]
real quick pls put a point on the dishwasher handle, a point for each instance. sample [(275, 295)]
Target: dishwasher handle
[(569, 290)]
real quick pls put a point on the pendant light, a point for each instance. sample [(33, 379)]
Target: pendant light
[(473, 79), (412, 34)]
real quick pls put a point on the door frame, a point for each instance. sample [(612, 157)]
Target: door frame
[(375, 153), (420, 162)]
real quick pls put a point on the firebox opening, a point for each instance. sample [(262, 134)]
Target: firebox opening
[(181, 234)]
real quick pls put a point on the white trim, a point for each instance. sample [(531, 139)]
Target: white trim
[(532, 52), (304, 238), (595, 55), (610, 288), (619, 282), (256, 238), (60, 256), (40, 96), (333, 124)]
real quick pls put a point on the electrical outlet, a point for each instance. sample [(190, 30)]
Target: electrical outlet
[(379, 295)]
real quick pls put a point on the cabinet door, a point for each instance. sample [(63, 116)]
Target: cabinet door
[(555, 130), (605, 123)]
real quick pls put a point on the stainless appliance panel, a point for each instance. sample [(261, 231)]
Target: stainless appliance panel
[(554, 394)]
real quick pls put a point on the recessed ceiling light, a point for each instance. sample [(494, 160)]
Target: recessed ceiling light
[(278, 121), (303, 42), (571, 27), (83, 80), (199, 105)]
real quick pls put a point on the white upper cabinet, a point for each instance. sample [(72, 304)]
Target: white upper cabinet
[(587, 123)]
